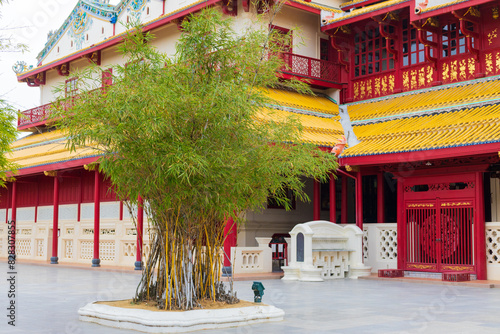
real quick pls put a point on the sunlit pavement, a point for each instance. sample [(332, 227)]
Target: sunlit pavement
[(48, 298)]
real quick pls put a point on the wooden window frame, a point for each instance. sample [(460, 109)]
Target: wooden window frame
[(370, 54)]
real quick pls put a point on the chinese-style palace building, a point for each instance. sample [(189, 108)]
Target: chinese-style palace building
[(419, 80)]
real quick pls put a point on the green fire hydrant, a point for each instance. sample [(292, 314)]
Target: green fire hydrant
[(258, 291)]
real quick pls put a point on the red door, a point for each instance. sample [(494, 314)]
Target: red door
[(439, 235), (439, 213)]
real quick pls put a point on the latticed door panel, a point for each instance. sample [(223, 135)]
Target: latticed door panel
[(439, 236), (421, 233), (457, 219)]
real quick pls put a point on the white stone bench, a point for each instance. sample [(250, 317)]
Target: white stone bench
[(323, 250)]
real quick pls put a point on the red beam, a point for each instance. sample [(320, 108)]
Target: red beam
[(97, 229), (316, 201), (56, 166), (359, 200), (380, 198), (401, 226), (479, 230), (140, 222), (343, 208), (333, 200), (55, 222), (442, 153)]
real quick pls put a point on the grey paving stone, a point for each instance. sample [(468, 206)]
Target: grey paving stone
[(49, 296)]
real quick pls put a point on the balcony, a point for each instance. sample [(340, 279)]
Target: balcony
[(317, 72), (33, 117)]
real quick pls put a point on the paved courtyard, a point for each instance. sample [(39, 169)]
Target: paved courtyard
[(49, 296)]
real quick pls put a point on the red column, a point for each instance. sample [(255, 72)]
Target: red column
[(55, 222), (333, 200), (359, 200), (12, 241), (230, 238), (316, 201), (9, 189), (479, 230), (401, 226), (96, 262), (380, 198), (140, 223), (343, 205)]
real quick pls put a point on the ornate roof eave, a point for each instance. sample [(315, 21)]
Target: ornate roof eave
[(480, 148), (114, 40), (365, 13), (310, 7), (356, 3), (442, 8), (99, 10)]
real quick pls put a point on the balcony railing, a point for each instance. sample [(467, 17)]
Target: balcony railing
[(33, 116), (311, 68)]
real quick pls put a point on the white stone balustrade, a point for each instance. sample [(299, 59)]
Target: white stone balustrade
[(252, 260)]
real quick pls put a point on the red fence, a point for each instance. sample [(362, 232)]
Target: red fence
[(34, 115), (311, 67)]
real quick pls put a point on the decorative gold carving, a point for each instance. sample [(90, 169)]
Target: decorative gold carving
[(489, 63), (491, 35), (362, 89), (448, 204), (421, 266), (368, 88), (497, 61), (346, 29), (421, 77), (391, 83), (494, 13), (413, 79), (453, 71), (393, 16), (463, 69), (355, 89), (473, 11), (432, 21), (446, 72), (91, 166), (406, 80), (377, 86), (348, 168), (457, 268), (383, 82), (471, 66), (430, 74), (51, 173), (421, 205)]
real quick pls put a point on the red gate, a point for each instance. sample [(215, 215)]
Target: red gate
[(439, 217), (439, 235)]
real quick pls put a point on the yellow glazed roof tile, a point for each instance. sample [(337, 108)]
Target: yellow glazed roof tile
[(462, 114), (45, 148)]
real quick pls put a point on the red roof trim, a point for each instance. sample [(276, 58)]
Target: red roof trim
[(367, 15), (443, 153), (57, 166), (303, 7), (116, 39)]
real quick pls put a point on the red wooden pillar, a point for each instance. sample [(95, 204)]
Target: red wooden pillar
[(359, 200), (316, 201), (55, 222), (401, 226), (9, 189), (343, 205), (333, 200), (380, 198), (479, 230), (96, 262), (230, 239), (12, 241), (140, 224)]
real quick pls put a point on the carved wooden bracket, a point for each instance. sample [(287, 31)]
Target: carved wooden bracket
[(340, 42), (386, 22), (422, 29), (94, 57), (472, 15), (63, 69), (51, 173), (230, 7)]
